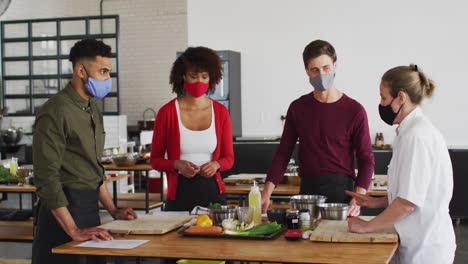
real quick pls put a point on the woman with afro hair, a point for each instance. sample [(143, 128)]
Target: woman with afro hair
[(192, 138)]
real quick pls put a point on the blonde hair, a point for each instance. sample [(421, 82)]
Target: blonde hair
[(411, 80)]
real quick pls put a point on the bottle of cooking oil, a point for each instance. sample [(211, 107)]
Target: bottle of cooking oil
[(255, 202)]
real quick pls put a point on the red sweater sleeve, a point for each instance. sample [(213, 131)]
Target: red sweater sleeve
[(159, 143), (363, 148), (283, 152), (226, 158)]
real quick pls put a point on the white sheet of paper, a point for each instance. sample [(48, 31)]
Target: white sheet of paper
[(116, 244)]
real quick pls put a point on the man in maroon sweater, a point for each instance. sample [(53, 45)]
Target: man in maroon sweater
[(332, 130)]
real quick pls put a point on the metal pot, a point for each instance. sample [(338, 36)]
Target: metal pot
[(334, 211), (308, 202), (12, 136)]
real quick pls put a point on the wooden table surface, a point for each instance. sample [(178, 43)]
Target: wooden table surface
[(281, 189), (32, 188), (136, 167), (17, 188), (173, 245), (16, 230)]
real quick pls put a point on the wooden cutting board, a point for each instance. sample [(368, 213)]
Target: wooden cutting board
[(148, 224), (337, 231)]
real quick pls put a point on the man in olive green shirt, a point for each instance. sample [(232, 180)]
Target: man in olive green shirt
[(67, 146)]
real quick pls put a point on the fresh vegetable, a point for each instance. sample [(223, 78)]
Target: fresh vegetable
[(213, 206), (261, 229), (230, 224), (209, 230), (243, 226), (6, 176), (204, 220)]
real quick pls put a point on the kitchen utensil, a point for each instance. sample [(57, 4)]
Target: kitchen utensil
[(293, 235), (125, 160), (308, 202), (333, 211), (226, 212), (147, 224), (337, 231), (278, 215), (245, 214), (12, 136)]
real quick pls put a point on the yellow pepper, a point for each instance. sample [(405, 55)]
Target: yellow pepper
[(204, 220)]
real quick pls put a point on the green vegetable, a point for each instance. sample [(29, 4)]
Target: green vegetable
[(214, 206), (261, 229), (6, 176)]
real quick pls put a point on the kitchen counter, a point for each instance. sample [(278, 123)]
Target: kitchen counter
[(173, 245)]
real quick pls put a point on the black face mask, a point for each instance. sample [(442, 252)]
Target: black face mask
[(387, 114)]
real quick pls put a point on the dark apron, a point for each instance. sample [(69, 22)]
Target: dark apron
[(332, 186), (198, 190), (83, 207)]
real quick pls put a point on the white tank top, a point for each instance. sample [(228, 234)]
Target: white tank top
[(197, 146)]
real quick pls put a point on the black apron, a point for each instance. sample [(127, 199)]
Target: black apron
[(83, 207), (198, 190), (332, 186)]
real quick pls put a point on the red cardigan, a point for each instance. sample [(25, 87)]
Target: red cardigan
[(166, 138)]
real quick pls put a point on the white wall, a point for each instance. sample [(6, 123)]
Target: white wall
[(370, 37), (151, 32)]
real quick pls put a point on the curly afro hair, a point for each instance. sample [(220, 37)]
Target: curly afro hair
[(196, 59), (88, 48)]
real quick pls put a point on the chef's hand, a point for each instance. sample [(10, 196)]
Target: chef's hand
[(354, 208), (95, 233), (209, 169), (265, 203), (125, 214), (186, 168), (363, 200), (357, 225)]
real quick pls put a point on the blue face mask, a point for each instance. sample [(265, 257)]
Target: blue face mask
[(322, 82), (98, 89)]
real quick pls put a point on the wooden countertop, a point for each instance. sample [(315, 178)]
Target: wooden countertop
[(16, 230), (136, 167), (32, 188), (173, 245), (281, 189), (17, 188)]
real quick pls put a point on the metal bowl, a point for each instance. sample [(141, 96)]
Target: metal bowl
[(308, 202), (334, 211), (12, 136), (226, 212), (125, 160)]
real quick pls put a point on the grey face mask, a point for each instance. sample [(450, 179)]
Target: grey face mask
[(322, 82)]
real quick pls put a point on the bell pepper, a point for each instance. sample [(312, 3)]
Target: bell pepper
[(204, 220)]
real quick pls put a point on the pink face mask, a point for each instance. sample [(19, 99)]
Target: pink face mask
[(196, 89)]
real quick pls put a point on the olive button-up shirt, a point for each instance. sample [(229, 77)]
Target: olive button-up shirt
[(68, 141)]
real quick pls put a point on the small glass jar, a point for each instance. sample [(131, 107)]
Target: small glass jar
[(292, 218), (304, 219)]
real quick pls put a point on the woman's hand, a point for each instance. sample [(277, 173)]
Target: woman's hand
[(186, 168), (209, 169), (357, 225)]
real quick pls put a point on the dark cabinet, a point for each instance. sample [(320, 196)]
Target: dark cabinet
[(459, 203)]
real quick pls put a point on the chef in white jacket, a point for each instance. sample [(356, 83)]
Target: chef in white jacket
[(420, 180)]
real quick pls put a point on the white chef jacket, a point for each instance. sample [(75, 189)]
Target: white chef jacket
[(421, 172)]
